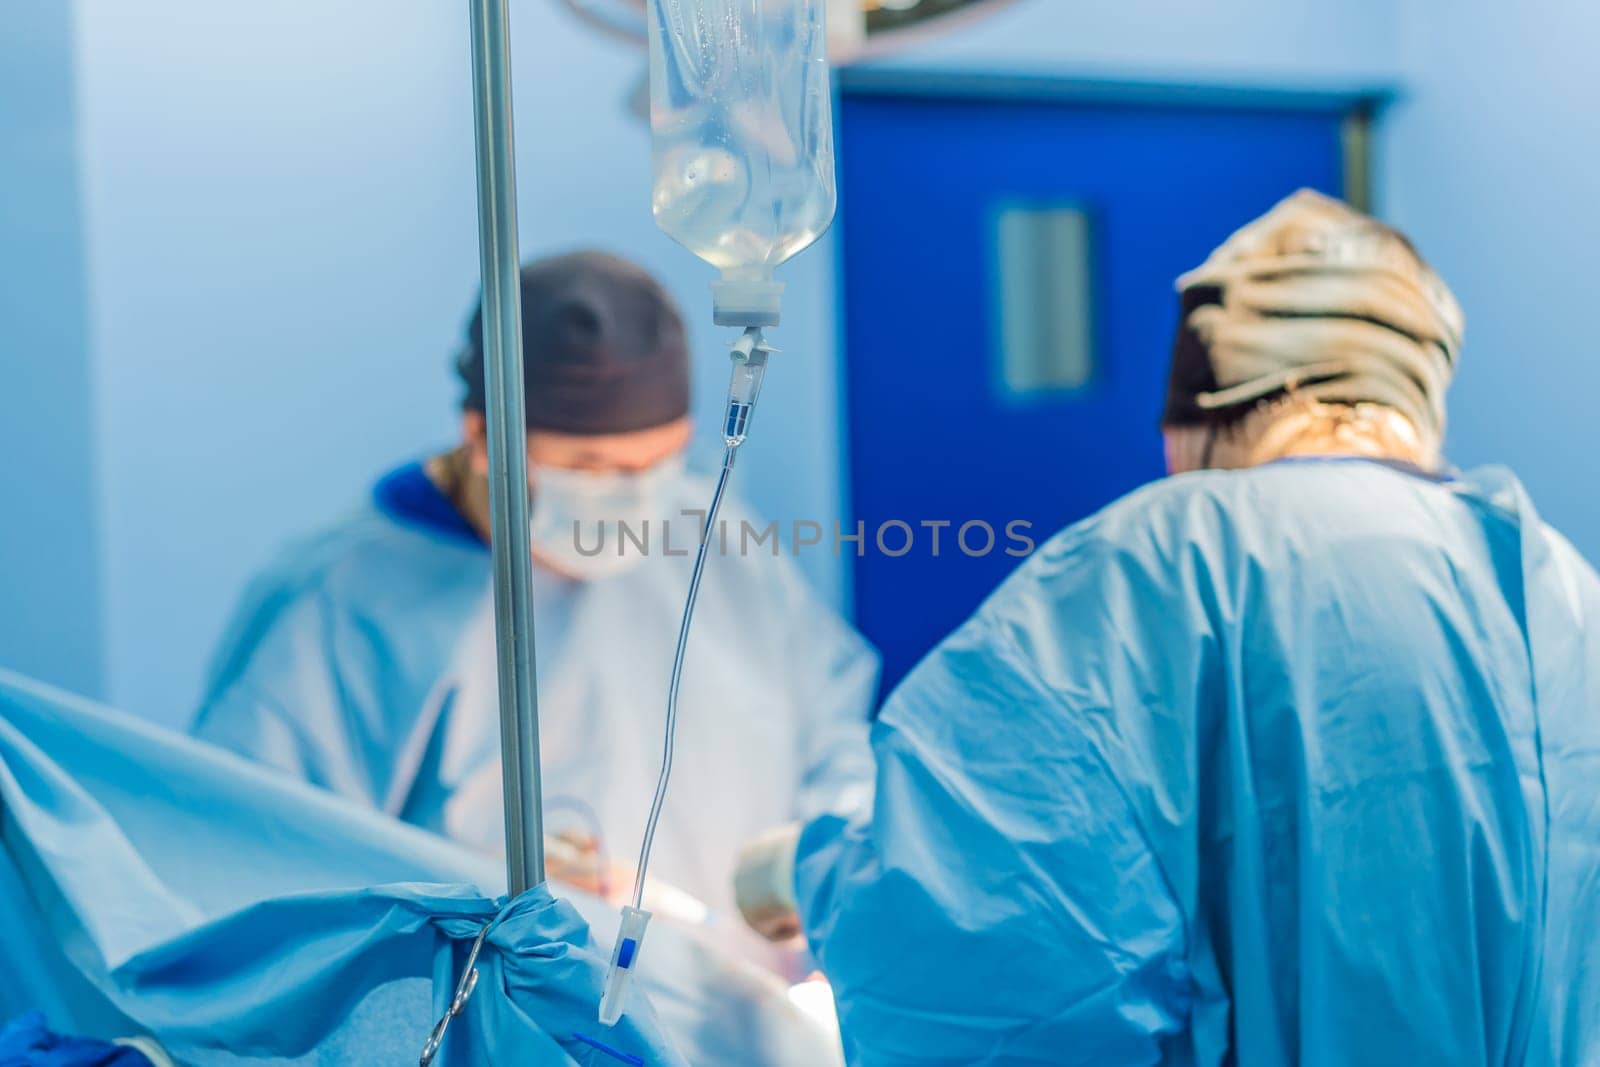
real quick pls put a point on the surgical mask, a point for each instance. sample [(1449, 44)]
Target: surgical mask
[(578, 516)]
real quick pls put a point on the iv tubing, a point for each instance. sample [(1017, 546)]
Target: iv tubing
[(677, 676), (750, 361)]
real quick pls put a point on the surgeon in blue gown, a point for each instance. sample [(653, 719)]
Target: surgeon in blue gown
[(1289, 758), (362, 660)]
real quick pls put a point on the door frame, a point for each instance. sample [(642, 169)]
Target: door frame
[(1362, 105)]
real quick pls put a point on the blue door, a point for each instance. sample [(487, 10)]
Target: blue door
[(1008, 286)]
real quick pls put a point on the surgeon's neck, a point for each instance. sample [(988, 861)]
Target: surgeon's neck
[(468, 492), (1300, 429)]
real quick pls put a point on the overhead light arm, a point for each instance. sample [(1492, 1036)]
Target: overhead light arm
[(858, 29)]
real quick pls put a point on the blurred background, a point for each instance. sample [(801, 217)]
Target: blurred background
[(238, 249)]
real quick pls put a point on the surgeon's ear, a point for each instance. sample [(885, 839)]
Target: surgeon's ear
[(475, 439)]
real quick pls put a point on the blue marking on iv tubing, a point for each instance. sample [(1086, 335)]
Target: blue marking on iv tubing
[(608, 1050)]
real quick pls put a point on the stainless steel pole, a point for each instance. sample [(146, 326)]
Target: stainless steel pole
[(508, 447)]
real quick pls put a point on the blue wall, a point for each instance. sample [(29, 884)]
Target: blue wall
[(284, 249), (50, 615), (276, 207), (1490, 163), (281, 247)]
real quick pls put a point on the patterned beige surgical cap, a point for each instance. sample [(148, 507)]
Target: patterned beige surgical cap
[(1320, 299)]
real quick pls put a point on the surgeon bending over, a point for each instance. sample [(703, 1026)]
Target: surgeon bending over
[(1290, 758), (363, 660)]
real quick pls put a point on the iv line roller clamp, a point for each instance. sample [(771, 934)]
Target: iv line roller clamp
[(742, 154)]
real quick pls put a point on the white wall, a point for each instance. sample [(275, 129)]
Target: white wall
[(1490, 163)]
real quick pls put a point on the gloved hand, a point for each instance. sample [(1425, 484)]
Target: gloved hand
[(574, 859), (763, 884)]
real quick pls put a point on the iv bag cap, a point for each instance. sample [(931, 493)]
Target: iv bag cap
[(746, 303)]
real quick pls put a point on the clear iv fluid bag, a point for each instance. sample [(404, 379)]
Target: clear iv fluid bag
[(741, 117)]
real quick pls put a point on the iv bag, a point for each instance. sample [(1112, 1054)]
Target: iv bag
[(742, 126)]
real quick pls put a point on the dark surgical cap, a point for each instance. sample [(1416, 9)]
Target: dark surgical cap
[(603, 348), (1321, 300)]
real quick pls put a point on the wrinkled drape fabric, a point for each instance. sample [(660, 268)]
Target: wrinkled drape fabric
[(1294, 765), (153, 884)]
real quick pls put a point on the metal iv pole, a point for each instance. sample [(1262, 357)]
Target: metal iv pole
[(508, 455)]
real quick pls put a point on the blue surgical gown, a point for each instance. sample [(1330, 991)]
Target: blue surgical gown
[(363, 662), (1293, 765)]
